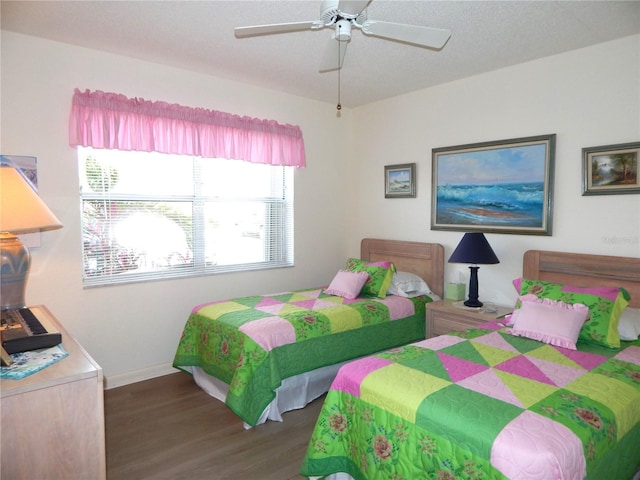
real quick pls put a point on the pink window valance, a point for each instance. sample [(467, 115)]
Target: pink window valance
[(113, 121)]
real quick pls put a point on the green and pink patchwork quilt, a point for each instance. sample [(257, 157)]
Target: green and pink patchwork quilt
[(253, 343), (482, 404)]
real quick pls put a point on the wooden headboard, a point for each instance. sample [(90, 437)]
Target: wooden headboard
[(585, 270), (424, 259)]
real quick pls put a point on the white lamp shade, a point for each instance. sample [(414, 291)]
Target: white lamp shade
[(21, 209)]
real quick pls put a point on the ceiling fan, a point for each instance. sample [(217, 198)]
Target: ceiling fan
[(343, 15)]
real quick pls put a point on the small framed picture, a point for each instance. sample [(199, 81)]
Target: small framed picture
[(611, 169), (400, 181)]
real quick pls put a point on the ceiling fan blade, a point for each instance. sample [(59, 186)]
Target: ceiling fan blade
[(422, 36), (353, 7), (256, 30), (333, 57)]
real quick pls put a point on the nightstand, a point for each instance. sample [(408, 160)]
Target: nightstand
[(447, 315)]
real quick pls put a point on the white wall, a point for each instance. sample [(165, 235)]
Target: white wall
[(134, 327), (588, 97)]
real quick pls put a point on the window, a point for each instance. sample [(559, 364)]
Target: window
[(150, 215)]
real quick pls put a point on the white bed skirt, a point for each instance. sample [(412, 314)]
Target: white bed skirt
[(294, 392)]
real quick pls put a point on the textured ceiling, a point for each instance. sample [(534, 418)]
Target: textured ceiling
[(198, 36)]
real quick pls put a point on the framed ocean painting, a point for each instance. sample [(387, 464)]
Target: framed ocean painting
[(502, 186)]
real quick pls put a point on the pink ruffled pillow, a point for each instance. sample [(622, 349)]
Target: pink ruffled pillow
[(347, 284), (605, 305), (549, 321)]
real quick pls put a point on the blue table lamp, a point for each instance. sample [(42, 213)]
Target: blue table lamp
[(475, 249)]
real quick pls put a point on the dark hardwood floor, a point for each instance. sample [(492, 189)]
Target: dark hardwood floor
[(168, 428)]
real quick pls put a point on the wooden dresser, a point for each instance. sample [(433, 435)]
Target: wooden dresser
[(53, 420)]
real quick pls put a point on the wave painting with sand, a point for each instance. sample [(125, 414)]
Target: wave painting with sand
[(500, 186), (513, 204)]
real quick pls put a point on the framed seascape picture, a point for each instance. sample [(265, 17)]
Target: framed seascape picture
[(611, 169), (400, 181), (502, 186)]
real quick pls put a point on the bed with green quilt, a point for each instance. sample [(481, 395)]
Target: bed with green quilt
[(500, 401), (266, 354)]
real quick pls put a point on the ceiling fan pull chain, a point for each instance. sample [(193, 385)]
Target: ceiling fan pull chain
[(339, 106)]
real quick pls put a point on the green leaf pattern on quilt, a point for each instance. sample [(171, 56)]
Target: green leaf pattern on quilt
[(213, 341), (221, 349), (370, 435), (392, 448), (591, 421)]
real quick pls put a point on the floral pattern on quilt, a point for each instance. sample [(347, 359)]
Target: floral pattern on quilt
[(235, 340), (475, 404)]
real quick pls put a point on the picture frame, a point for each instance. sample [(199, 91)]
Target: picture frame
[(611, 169), (400, 181), (503, 186)]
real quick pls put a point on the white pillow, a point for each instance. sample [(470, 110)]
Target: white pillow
[(629, 324), (405, 284)]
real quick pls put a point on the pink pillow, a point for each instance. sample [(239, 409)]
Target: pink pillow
[(549, 321), (347, 284), (517, 283)]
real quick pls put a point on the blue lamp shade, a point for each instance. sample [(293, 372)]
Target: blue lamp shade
[(474, 249)]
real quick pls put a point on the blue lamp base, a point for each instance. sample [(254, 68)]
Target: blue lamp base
[(473, 289), (15, 261)]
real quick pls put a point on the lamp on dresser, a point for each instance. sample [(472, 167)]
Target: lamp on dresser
[(21, 211), (474, 249)]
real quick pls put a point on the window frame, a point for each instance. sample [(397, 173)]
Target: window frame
[(277, 237)]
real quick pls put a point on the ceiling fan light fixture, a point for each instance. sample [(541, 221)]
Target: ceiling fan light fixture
[(343, 30)]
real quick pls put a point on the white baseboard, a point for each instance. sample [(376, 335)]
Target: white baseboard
[(134, 376)]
